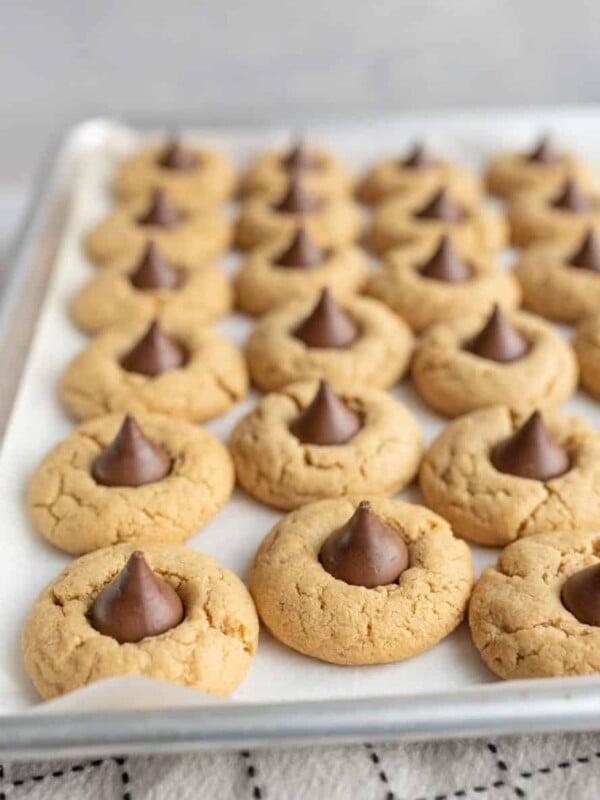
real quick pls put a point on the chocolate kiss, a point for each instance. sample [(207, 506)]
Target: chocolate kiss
[(327, 325), (154, 271), (299, 158), (588, 255), (175, 156), (302, 252), (572, 198), (364, 551), (418, 158), (161, 212), (498, 340), (131, 459), (543, 153), (446, 264), (441, 207), (531, 452), (327, 420), (136, 604), (154, 353), (581, 595), (297, 200)]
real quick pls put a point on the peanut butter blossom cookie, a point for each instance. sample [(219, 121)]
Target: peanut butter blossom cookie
[(403, 221), (114, 480), (366, 582), (306, 442), (272, 275), (322, 172), (183, 236), (166, 612), (331, 221), (587, 347), (537, 613), (178, 369), (417, 175), (561, 280), (515, 359), (193, 176), (427, 283), (497, 476), (151, 287), (350, 341), (564, 214), (543, 169)]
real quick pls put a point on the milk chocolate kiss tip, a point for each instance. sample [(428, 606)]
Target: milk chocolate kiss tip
[(161, 212), (418, 157), (531, 452), (177, 157), (327, 420), (498, 340), (302, 251), (543, 152), (131, 459), (446, 264), (587, 256), (138, 603), (297, 200), (365, 551), (572, 198), (154, 353), (153, 271), (327, 325), (581, 595), (441, 207), (299, 158)]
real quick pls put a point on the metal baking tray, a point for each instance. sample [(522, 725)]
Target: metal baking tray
[(411, 707)]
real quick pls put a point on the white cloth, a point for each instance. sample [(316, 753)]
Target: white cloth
[(553, 768)]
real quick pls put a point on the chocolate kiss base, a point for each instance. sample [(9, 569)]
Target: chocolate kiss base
[(327, 325), (588, 254), (154, 353), (138, 603), (302, 252), (581, 595), (446, 265), (153, 271), (531, 453), (131, 459), (441, 207), (365, 551), (161, 213), (572, 199), (498, 340), (297, 200), (177, 157), (299, 158), (326, 421)]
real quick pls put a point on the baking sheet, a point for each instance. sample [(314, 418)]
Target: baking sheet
[(278, 674)]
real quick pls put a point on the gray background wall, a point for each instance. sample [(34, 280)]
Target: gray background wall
[(61, 60)]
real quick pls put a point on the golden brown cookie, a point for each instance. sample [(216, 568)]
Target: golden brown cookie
[(274, 465), (319, 615), (560, 280), (332, 221), (460, 481), (275, 274), (183, 236), (418, 175), (322, 172), (194, 176), (587, 347), (74, 511), (404, 221), (210, 650), (181, 295), (471, 362), (427, 283), (520, 622), (211, 377), (542, 169), (377, 357), (565, 214)]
